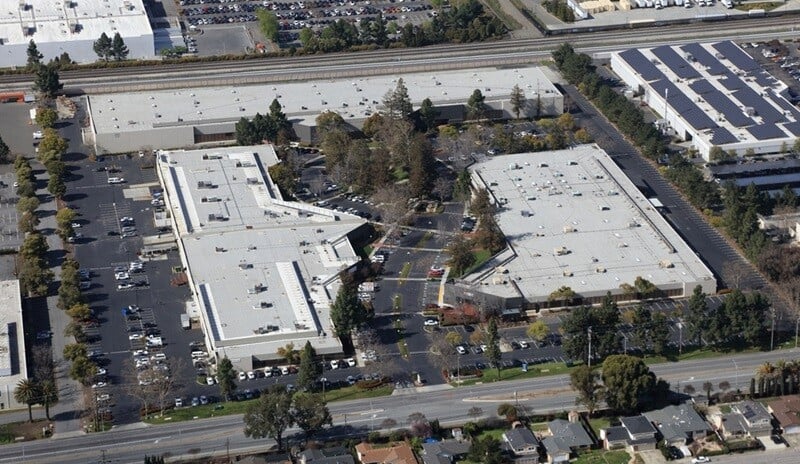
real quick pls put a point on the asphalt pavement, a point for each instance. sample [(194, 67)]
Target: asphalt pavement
[(450, 405)]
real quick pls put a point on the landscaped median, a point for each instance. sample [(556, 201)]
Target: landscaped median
[(239, 407)]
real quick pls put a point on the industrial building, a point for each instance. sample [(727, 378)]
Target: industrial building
[(69, 26), (263, 271), (712, 94), (573, 219), (13, 366), (188, 117)]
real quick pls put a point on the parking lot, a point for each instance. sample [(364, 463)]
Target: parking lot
[(203, 15)]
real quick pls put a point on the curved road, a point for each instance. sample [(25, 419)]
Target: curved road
[(218, 435)]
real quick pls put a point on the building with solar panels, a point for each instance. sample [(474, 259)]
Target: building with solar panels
[(712, 94)]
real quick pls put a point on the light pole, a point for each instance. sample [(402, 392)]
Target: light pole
[(680, 337), (772, 331), (737, 374), (589, 334)]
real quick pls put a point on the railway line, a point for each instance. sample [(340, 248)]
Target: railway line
[(437, 57)]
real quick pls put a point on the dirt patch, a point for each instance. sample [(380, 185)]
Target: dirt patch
[(524, 395), (25, 431)]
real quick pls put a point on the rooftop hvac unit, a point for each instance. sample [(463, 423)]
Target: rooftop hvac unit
[(245, 266), (560, 251), (600, 270), (666, 264), (568, 229), (567, 273)]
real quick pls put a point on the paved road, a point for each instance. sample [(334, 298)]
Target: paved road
[(716, 252), (448, 405)]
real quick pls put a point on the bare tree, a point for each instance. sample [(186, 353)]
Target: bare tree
[(139, 384), (381, 363), (164, 383), (733, 274), (392, 201), (442, 354), (43, 364), (443, 188)]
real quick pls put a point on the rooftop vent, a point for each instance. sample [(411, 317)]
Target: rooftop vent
[(215, 156), (201, 184), (560, 251), (666, 264), (245, 266)]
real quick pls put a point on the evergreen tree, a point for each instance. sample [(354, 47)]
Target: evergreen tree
[(103, 47), (493, 353), (118, 48), (696, 315), (226, 378), (397, 102), (309, 369), (347, 312), (246, 133), (517, 100), (476, 106), (47, 81), (34, 57), (427, 115), (5, 152)]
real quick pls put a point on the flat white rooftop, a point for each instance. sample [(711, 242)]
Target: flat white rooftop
[(65, 20), (12, 335), (352, 98), (574, 219), (259, 265)]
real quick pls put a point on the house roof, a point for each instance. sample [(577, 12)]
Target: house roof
[(399, 453), (637, 424), (573, 433), (556, 445), (520, 438), (441, 452), (733, 423), (677, 421), (616, 433), (787, 410), (333, 455), (753, 412)]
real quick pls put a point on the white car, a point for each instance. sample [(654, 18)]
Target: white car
[(159, 357), (125, 286), (38, 135), (122, 276), (100, 385), (523, 344), (242, 375), (178, 402), (116, 180), (103, 397), (135, 336), (209, 380), (700, 459), (126, 219), (140, 353), (76, 225), (251, 375), (351, 362), (461, 350), (431, 322), (101, 371), (334, 364)]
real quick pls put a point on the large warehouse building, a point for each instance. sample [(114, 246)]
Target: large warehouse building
[(263, 271), (573, 219), (185, 118), (712, 95), (69, 26)]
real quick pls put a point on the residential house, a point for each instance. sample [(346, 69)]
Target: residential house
[(635, 433), (679, 425), (757, 419), (566, 439), (786, 410), (398, 453), (521, 441), (730, 425), (333, 455), (444, 452)]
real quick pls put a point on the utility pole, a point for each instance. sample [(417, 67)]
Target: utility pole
[(796, 330), (228, 449), (680, 337), (589, 333), (772, 331)]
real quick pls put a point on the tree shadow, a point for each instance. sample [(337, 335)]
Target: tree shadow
[(74, 197)]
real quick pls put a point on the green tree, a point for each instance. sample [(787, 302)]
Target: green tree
[(34, 57), (309, 369), (246, 133), (69, 293), (310, 412), (270, 416), (695, 316), (486, 450), (27, 205), (74, 351), (79, 312), (508, 410), (427, 115), (476, 106), (627, 379), (47, 81), (347, 312), (289, 353), (268, 24), (537, 330), (52, 144), (118, 48), (517, 100), (397, 103), (64, 219), (481, 205), (56, 186), (226, 377), (27, 392), (83, 370), (328, 121), (49, 395), (422, 167), (46, 117), (461, 256), (284, 177), (659, 333), (103, 47), (5, 152), (493, 353), (33, 246), (585, 381)]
